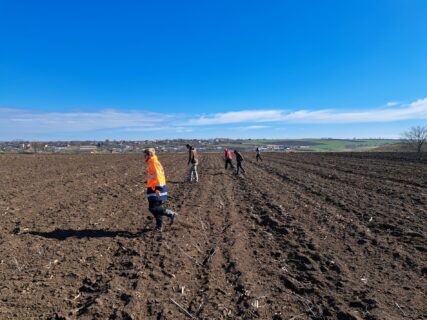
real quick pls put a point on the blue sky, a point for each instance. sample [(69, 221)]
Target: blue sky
[(202, 69)]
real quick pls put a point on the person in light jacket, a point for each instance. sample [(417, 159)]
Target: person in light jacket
[(194, 160)]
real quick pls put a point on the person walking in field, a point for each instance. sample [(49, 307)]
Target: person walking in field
[(194, 160), (156, 190), (239, 160), (228, 157), (258, 154)]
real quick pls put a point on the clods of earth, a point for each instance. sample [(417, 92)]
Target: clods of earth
[(298, 236)]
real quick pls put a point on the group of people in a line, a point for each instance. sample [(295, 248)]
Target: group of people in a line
[(228, 157), (156, 180)]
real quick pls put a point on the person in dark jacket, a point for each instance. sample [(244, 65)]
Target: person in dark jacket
[(239, 160), (258, 154)]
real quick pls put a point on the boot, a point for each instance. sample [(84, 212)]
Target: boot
[(159, 224), (171, 215)]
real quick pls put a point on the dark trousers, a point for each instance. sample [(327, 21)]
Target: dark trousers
[(158, 211), (258, 157), (239, 166), (228, 161)]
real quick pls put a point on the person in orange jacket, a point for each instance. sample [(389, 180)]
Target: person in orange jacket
[(156, 190)]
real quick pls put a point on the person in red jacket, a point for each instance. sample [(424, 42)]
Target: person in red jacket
[(156, 190), (228, 157)]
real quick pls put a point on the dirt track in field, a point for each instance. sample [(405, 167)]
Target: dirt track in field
[(300, 236)]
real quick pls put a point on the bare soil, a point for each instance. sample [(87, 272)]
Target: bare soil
[(299, 236)]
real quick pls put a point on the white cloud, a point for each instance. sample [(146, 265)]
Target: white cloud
[(145, 129), (238, 117), (392, 104), (151, 128), (16, 123), (414, 110), (25, 121), (183, 129), (253, 127)]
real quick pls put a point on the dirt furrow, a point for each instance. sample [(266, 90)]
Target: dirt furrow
[(348, 200), (352, 249), (282, 242), (397, 172)]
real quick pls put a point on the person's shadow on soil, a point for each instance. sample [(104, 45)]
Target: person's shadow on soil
[(175, 182), (217, 173), (62, 234)]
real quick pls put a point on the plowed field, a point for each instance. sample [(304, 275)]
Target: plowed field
[(299, 236)]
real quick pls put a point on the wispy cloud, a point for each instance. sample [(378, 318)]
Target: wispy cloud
[(237, 117), (183, 129), (392, 104), (253, 128), (26, 123), (41, 122), (144, 129), (414, 110)]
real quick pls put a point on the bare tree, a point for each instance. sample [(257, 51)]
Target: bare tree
[(416, 136)]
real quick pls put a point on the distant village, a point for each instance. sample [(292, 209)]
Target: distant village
[(122, 146)]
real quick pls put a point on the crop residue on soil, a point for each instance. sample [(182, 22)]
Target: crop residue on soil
[(300, 236)]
